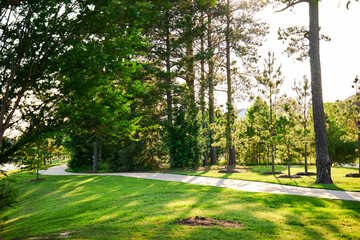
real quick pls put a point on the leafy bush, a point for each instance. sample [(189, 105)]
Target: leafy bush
[(8, 193), (82, 155), (134, 155), (184, 138)]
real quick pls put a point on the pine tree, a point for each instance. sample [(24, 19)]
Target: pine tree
[(269, 86)]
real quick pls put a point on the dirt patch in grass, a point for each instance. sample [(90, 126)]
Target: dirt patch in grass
[(289, 176), (244, 168), (306, 174), (228, 171), (205, 222), (271, 173), (354, 175), (34, 180)]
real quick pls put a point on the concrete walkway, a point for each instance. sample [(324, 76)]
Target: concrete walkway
[(241, 185)]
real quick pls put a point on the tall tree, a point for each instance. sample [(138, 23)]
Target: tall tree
[(323, 162), (285, 125), (243, 35), (303, 100), (210, 78), (203, 87), (229, 103), (269, 84)]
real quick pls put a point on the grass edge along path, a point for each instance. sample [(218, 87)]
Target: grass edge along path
[(254, 173), (114, 207), (242, 185)]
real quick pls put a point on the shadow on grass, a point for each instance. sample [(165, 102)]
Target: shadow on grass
[(119, 207)]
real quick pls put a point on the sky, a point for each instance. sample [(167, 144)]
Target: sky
[(340, 58)]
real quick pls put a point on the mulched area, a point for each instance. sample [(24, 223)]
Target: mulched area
[(271, 173), (243, 168), (228, 171), (306, 174), (39, 179), (205, 222), (354, 175), (289, 176)]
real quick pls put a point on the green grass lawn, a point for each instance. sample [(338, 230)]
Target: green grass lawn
[(112, 207), (255, 174)]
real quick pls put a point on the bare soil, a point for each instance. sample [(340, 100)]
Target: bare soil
[(271, 173), (306, 174), (289, 176), (205, 222), (354, 175), (34, 180), (228, 171)]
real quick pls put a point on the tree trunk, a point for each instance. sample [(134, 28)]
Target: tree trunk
[(229, 105), (202, 97), (95, 164), (38, 162), (359, 149), (323, 162), (211, 92), (272, 158), (168, 88), (190, 73), (288, 153), (306, 167), (233, 158)]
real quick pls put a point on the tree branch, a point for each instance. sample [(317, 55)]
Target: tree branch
[(289, 5)]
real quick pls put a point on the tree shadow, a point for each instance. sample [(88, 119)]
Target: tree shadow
[(120, 207)]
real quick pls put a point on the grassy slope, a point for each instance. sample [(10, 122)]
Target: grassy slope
[(254, 174), (111, 207)]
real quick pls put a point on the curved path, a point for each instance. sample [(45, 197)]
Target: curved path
[(225, 183)]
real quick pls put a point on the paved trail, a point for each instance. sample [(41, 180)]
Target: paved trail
[(225, 183)]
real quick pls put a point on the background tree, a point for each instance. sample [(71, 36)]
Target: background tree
[(355, 108), (285, 125), (342, 145), (257, 132), (303, 100), (269, 87), (98, 86)]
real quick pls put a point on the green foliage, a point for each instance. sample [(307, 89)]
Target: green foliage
[(185, 138), (297, 40), (8, 193), (342, 149), (256, 133), (135, 155), (35, 36), (82, 154)]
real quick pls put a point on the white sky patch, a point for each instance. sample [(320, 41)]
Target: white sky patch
[(340, 58)]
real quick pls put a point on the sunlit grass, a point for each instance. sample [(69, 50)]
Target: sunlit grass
[(255, 174), (113, 207)]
